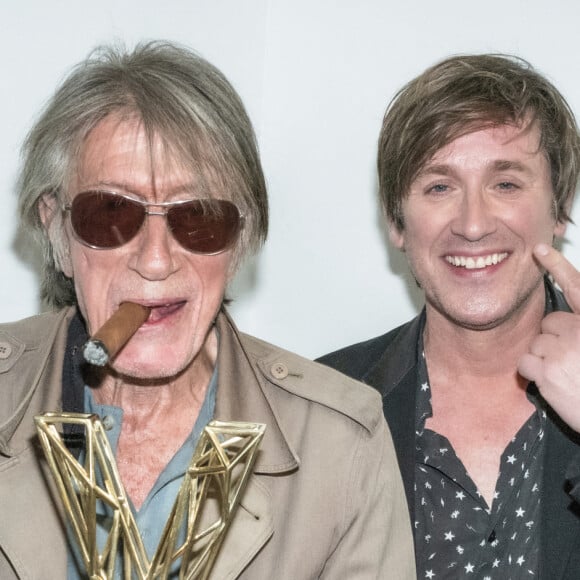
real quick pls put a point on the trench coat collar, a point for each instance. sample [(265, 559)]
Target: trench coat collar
[(243, 381), (29, 399), (241, 396), (395, 375)]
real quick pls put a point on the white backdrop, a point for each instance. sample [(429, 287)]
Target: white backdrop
[(316, 76)]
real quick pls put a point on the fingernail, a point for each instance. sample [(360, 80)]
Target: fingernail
[(542, 249)]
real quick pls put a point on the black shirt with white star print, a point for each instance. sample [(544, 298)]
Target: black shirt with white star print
[(457, 534)]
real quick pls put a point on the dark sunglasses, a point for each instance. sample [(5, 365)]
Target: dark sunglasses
[(106, 220)]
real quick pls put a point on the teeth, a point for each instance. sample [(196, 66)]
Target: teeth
[(478, 263)]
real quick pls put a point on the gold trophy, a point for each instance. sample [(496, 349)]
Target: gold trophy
[(195, 529), (220, 468)]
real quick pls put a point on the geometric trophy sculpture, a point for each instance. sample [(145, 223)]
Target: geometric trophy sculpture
[(219, 470)]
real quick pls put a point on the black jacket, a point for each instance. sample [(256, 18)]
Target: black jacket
[(389, 364)]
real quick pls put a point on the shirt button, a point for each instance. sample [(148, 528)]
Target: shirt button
[(279, 370), (108, 422), (5, 350)]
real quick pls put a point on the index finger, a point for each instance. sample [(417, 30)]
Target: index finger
[(563, 272)]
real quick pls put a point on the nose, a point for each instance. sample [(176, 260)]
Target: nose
[(475, 217), (155, 257)]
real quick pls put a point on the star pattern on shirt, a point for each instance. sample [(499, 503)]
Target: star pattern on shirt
[(457, 534)]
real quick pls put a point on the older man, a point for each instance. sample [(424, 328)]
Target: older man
[(143, 182), (478, 165)]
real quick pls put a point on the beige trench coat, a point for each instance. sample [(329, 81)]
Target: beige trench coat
[(325, 499)]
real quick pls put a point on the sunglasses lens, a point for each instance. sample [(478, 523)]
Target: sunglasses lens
[(105, 220), (205, 226)]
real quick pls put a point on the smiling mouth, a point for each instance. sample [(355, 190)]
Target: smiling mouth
[(471, 263)]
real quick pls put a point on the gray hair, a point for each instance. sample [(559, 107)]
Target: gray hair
[(179, 98)]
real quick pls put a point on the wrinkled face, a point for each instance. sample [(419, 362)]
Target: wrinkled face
[(184, 289), (472, 217)]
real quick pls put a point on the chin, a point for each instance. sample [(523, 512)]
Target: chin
[(153, 367), (146, 373), (478, 324), (484, 318)]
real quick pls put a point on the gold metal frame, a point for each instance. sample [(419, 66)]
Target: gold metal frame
[(219, 470)]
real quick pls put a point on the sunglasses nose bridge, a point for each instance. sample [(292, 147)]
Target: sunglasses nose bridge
[(155, 210), (162, 211), (154, 239)]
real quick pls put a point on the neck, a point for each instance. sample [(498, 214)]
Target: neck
[(485, 353)]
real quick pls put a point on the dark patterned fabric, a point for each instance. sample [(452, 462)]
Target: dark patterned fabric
[(457, 535), (390, 363)]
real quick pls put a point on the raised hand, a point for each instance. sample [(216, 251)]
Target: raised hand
[(553, 361)]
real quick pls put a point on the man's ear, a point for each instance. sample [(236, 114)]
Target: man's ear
[(560, 229), (396, 236), (562, 224), (47, 206)]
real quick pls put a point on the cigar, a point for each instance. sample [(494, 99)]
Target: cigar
[(115, 333)]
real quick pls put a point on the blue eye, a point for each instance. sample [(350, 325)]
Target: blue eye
[(438, 188), (507, 185)]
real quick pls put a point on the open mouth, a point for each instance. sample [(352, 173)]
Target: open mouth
[(163, 311), (476, 263)]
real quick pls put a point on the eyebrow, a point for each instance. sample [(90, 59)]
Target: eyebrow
[(122, 187), (510, 166), (435, 169), (497, 165)]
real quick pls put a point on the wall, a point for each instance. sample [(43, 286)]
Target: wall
[(316, 77)]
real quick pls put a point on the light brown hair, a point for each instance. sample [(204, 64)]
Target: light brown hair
[(465, 93)]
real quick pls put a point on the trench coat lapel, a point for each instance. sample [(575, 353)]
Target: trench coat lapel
[(31, 498), (32, 495), (46, 370), (241, 397), (395, 376)]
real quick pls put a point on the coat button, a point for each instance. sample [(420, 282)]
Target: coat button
[(5, 350), (279, 370)]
